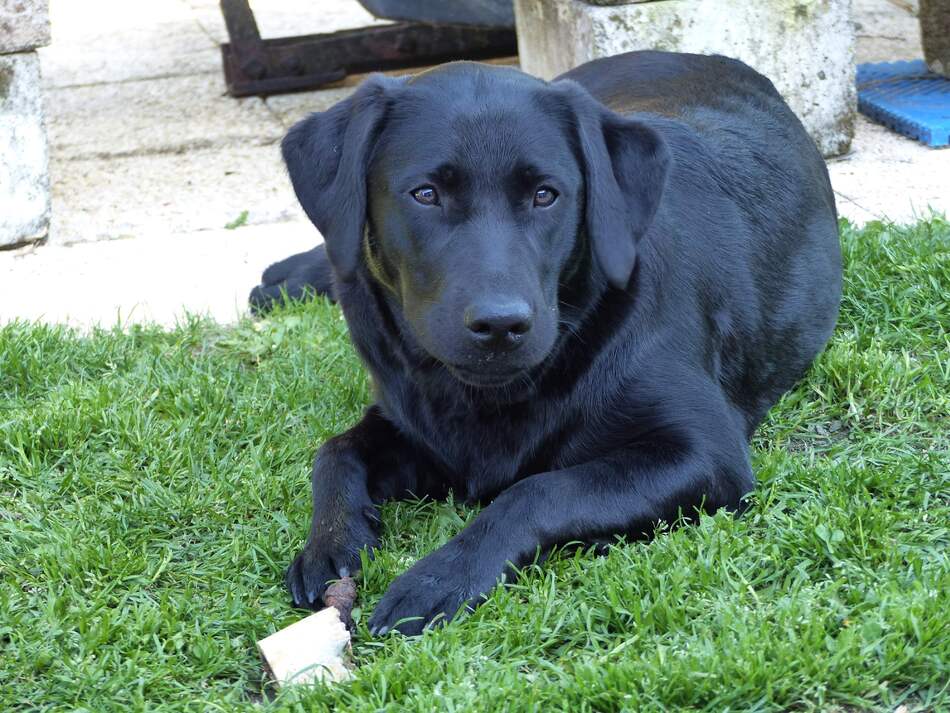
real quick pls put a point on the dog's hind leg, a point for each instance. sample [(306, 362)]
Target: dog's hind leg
[(298, 277)]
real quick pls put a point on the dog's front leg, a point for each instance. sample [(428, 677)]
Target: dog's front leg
[(352, 472), (625, 493)]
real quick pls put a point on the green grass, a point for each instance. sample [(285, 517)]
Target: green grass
[(154, 485)]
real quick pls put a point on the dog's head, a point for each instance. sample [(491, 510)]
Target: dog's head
[(471, 193)]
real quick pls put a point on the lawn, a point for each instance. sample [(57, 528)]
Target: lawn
[(155, 484)]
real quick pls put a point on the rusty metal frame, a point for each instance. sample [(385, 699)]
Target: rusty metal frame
[(255, 66)]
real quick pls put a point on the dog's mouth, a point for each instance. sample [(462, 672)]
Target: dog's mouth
[(483, 379)]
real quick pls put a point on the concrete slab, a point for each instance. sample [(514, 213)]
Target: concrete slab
[(121, 119), (847, 208), (290, 108), (166, 194), (24, 157), (24, 25), (119, 41), (287, 18), (153, 279), (887, 176), (891, 177), (163, 51)]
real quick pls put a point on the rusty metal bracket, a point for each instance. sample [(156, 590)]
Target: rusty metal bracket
[(253, 65)]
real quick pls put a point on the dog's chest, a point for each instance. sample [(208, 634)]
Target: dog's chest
[(480, 450)]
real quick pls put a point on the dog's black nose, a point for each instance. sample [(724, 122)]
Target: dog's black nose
[(498, 325)]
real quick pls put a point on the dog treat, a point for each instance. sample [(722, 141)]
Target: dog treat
[(315, 648), (310, 650), (342, 595)]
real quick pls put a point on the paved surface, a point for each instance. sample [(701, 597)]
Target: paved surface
[(150, 160)]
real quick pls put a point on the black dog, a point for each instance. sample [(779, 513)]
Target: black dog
[(576, 299)]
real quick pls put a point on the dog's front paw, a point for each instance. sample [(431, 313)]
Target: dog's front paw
[(324, 559), (432, 591)]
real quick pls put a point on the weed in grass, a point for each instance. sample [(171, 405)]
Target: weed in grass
[(238, 222), (154, 484)]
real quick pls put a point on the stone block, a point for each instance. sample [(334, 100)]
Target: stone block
[(24, 25), (935, 34), (806, 47), (24, 157)]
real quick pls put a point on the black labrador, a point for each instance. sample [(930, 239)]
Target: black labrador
[(576, 299)]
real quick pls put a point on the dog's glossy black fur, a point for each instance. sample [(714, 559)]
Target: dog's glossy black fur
[(576, 299)]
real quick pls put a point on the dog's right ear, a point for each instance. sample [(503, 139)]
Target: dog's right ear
[(327, 155)]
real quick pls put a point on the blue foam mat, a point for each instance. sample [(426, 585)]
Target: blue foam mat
[(907, 97)]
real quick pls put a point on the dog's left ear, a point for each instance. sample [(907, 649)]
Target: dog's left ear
[(327, 155), (625, 167)]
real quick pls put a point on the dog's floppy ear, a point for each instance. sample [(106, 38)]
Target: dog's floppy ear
[(625, 167), (327, 155)]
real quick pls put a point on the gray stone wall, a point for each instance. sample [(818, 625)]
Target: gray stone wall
[(24, 161), (806, 47), (24, 25), (24, 156)]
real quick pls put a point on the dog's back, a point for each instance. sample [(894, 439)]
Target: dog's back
[(738, 147)]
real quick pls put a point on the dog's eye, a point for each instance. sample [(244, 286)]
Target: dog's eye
[(426, 195), (544, 196)]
